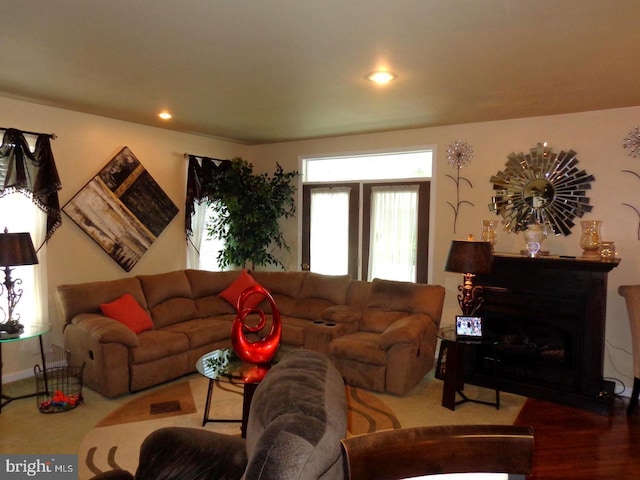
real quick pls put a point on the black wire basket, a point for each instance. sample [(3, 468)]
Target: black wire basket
[(59, 386)]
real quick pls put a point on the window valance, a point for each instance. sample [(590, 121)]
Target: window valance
[(33, 174), (201, 176)]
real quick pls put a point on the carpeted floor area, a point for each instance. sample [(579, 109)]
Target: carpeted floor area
[(107, 433), (115, 440)]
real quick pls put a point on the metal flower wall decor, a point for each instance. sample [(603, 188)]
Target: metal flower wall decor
[(459, 155), (632, 142)]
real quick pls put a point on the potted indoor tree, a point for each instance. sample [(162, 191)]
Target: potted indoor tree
[(247, 209)]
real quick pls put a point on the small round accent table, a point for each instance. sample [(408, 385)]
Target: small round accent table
[(30, 331), (224, 365), (454, 367)]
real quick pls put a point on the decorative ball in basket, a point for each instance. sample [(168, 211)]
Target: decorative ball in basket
[(59, 385), (259, 351)]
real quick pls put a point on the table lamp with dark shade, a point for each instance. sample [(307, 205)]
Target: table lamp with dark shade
[(469, 258), (16, 249)]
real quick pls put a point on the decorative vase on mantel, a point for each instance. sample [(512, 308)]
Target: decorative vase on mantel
[(489, 232), (590, 238), (534, 235)]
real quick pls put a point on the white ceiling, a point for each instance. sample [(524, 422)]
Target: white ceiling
[(261, 71)]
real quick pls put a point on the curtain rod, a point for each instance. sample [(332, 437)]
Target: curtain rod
[(187, 155), (52, 136)]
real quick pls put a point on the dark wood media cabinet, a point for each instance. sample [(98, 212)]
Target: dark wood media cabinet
[(549, 314)]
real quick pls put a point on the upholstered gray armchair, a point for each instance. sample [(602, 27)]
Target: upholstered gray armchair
[(298, 418)]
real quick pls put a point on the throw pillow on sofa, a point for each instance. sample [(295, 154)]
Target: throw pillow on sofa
[(127, 311), (239, 285)]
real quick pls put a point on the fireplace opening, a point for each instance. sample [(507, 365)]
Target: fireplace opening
[(536, 345)]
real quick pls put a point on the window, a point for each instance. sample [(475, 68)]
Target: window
[(29, 185), (367, 215), (202, 250), (329, 232), (210, 246), (19, 214), (393, 232)]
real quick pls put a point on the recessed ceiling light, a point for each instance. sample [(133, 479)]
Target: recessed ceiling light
[(165, 115), (381, 77)]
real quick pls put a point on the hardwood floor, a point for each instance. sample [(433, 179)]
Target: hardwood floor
[(577, 444)]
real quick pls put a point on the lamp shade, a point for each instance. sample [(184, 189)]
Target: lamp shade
[(467, 256), (16, 249)]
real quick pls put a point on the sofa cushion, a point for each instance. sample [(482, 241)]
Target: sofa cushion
[(202, 331), (311, 308), (211, 305), (358, 293), (342, 314), (127, 311), (363, 347), (169, 297), (172, 311), (286, 304), (164, 286), (157, 344), (375, 320), (286, 283), (239, 285), (409, 329), (406, 297), (329, 287), (205, 283), (293, 330), (87, 297), (104, 330)]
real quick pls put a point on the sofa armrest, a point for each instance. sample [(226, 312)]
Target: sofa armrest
[(105, 330), (191, 453), (409, 329), (342, 314)]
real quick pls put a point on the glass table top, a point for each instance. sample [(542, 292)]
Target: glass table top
[(30, 331), (224, 365)]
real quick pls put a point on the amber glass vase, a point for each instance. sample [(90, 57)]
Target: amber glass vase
[(590, 238)]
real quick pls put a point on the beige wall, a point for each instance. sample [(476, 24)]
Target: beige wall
[(597, 138), (87, 142), (84, 144)]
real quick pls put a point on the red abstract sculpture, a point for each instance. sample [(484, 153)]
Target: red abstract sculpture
[(261, 351)]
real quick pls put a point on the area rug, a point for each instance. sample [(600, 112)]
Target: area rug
[(115, 441)]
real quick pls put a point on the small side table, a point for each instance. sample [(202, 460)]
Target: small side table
[(233, 371), (30, 331), (454, 367)]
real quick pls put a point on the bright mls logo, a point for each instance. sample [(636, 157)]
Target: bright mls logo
[(58, 467)]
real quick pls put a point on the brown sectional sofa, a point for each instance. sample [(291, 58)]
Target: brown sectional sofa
[(381, 335)]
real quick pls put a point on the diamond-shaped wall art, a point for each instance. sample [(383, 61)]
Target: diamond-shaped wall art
[(122, 209)]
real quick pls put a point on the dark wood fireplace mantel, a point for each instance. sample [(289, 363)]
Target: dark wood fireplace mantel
[(549, 314)]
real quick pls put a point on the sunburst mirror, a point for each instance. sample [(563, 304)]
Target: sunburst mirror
[(541, 187)]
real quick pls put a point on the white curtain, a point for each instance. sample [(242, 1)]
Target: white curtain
[(329, 230), (202, 250), (194, 241), (394, 232)]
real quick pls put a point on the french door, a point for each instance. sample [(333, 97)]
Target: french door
[(367, 229)]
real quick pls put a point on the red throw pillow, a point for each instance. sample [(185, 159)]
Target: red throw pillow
[(239, 285), (128, 312)]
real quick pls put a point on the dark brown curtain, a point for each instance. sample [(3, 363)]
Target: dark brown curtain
[(32, 174), (202, 173)]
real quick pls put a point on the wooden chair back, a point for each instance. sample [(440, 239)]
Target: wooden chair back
[(421, 451)]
